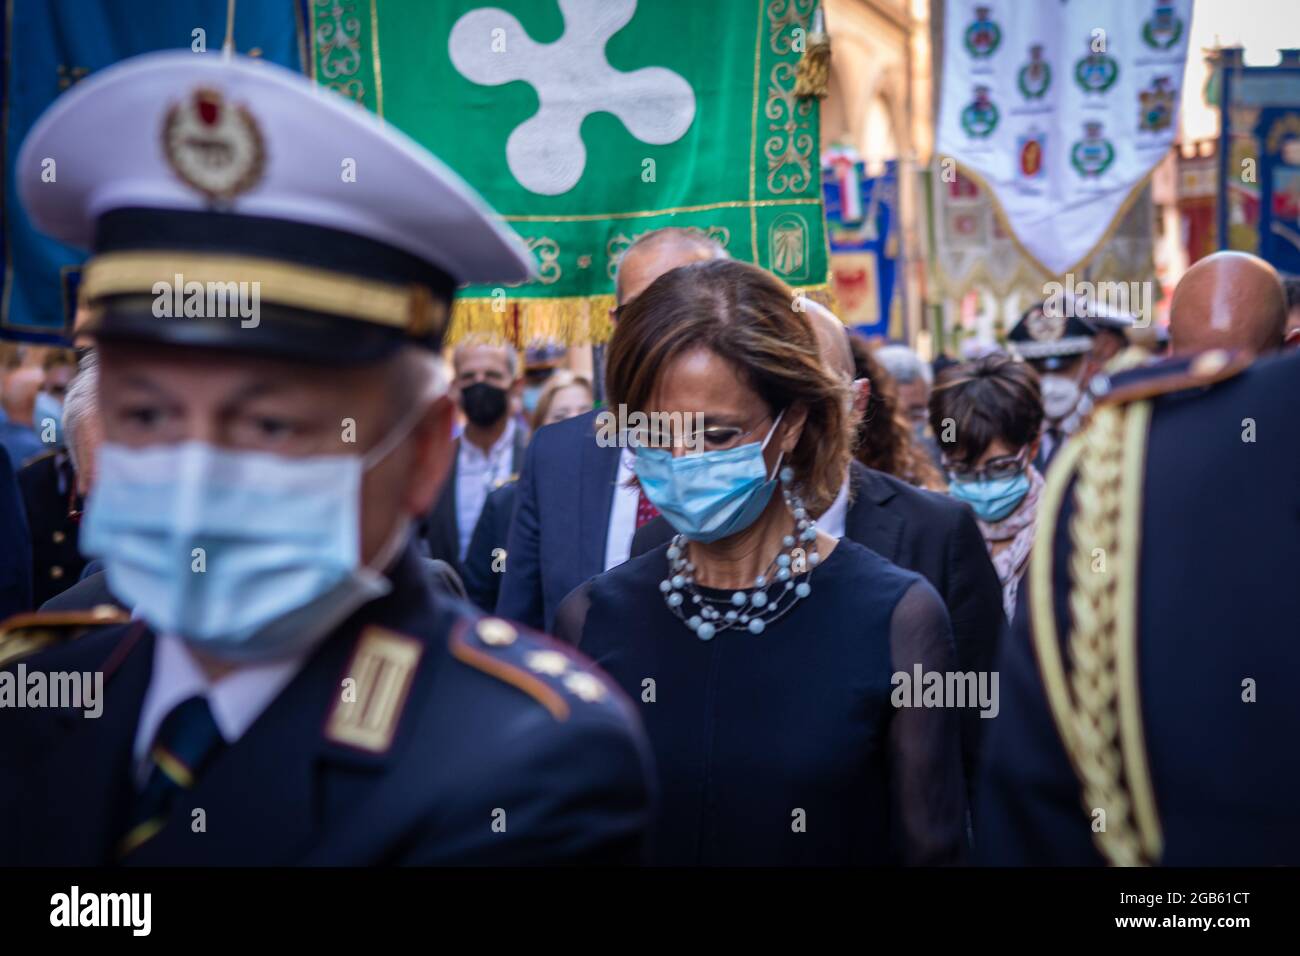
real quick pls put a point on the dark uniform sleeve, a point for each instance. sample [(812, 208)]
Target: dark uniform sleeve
[(1027, 806), (578, 793)]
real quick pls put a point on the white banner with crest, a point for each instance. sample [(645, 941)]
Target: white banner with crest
[(1062, 108)]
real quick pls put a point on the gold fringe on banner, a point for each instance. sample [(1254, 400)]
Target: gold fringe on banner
[(569, 320)]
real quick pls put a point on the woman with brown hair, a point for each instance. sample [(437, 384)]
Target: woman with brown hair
[(988, 415), (886, 440), (762, 650), (566, 394)]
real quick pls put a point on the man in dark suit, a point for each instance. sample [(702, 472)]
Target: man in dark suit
[(1160, 727), (576, 511), (289, 689), (931, 534), (488, 453), (485, 562)]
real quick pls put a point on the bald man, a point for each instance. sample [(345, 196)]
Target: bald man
[(1228, 300), (576, 509), (934, 535)]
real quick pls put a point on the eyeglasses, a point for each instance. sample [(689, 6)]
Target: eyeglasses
[(708, 438), (1007, 466)]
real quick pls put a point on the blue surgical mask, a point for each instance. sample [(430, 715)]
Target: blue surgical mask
[(710, 495), (47, 410), (992, 499), (530, 396), (244, 555)]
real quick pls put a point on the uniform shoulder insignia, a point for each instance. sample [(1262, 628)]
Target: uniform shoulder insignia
[(374, 690), (539, 667), (24, 634), (1170, 375)]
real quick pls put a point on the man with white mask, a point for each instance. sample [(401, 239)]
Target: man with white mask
[(288, 671)]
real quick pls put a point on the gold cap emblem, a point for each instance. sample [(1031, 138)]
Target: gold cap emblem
[(212, 146), (1043, 327)]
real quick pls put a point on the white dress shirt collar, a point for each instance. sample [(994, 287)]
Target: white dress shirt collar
[(832, 521)]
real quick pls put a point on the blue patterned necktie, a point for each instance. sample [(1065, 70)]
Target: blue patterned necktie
[(186, 742)]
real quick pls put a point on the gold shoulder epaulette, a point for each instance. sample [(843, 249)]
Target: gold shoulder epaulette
[(541, 669), (1174, 375), (25, 634)]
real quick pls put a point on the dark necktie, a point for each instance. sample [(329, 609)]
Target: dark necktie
[(186, 742)]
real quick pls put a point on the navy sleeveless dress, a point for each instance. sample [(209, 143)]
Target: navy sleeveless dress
[(784, 748)]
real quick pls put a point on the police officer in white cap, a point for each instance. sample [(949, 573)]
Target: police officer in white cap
[(1067, 340), (290, 690)]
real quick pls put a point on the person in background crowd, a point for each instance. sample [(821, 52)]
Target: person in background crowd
[(1292, 286), (913, 379), (15, 555), (1228, 300), (765, 634), (489, 451), (887, 439), (577, 510), (565, 395), (991, 409), (18, 430), (1066, 350), (917, 530), (60, 366), (540, 363), (55, 486)]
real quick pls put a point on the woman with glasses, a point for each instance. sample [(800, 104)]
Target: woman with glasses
[(772, 664), (987, 416)]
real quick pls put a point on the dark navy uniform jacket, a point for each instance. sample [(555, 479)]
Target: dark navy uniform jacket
[(1216, 644), (48, 484), (507, 748)]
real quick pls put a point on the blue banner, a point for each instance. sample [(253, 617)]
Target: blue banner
[(50, 45), (864, 244), (1278, 130)]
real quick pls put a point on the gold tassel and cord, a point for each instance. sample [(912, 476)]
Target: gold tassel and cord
[(813, 74)]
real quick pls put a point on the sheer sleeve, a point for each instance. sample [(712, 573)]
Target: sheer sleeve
[(925, 775), (571, 617)]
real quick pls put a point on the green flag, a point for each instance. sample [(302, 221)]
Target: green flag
[(587, 123)]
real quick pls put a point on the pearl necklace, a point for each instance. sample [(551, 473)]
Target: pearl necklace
[(775, 592)]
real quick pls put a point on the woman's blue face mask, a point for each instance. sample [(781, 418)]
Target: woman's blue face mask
[(992, 499), (994, 490), (710, 495)]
